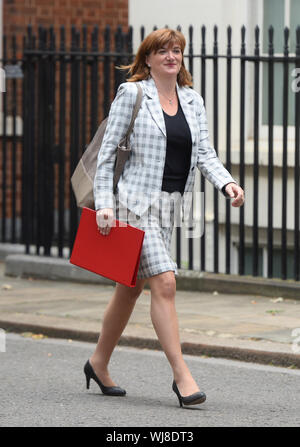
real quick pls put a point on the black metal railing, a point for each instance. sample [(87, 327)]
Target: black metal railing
[(63, 88), (11, 143)]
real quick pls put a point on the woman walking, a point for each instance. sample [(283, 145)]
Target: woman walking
[(169, 140)]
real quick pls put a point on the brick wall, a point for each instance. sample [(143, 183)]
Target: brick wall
[(17, 15)]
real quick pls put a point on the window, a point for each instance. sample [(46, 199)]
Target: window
[(277, 258), (263, 262), (279, 14), (249, 261)]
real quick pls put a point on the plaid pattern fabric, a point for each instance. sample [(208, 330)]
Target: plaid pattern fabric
[(158, 224), (141, 180)]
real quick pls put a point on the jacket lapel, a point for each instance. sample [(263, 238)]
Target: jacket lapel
[(186, 99), (153, 104), (187, 104)]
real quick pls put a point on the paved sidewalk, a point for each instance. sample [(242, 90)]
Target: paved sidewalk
[(244, 327)]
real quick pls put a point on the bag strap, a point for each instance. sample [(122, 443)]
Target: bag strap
[(123, 151), (136, 109)]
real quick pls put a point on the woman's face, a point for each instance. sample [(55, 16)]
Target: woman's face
[(166, 61)]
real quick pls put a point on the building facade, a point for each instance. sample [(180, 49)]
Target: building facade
[(225, 135)]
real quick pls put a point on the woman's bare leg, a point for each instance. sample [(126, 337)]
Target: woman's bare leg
[(165, 322), (115, 319)]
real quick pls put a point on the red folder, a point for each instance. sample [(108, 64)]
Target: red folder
[(115, 256)]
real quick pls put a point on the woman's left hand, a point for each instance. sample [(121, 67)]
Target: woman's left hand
[(235, 192)]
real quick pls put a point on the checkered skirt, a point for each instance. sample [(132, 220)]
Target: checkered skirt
[(158, 224)]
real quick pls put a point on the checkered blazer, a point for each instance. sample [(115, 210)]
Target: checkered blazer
[(142, 177)]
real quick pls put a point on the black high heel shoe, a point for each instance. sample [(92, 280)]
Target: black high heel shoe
[(107, 390), (192, 399)]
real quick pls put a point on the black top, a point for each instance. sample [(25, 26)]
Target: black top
[(179, 151)]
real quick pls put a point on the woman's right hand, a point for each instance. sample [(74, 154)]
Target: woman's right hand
[(105, 220)]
